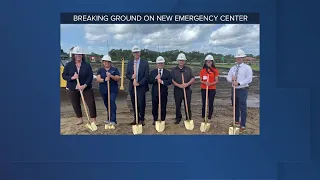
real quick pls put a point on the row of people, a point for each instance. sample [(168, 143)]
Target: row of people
[(181, 77)]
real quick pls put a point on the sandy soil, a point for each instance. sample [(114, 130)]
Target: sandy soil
[(222, 118)]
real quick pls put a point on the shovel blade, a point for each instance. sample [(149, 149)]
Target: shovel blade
[(137, 129), (234, 131), (204, 127), (189, 124), (89, 126), (94, 126), (107, 126), (112, 126), (160, 126)]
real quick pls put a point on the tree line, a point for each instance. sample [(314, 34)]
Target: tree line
[(149, 55)]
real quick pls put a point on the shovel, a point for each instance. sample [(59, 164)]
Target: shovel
[(109, 125), (160, 125), (205, 126), (91, 126), (187, 123), (234, 130), (137, 128)]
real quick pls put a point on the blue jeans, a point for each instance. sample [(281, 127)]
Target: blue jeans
[(113, 96), (241, 105)]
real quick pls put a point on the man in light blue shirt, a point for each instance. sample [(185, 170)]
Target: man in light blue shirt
[(240, 76)]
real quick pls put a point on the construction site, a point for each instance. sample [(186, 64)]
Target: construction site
[(222, 116)]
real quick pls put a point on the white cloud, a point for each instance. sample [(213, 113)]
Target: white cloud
[(172, 35), (233, 36), (187, 37)]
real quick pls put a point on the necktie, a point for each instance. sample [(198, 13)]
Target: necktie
[(160, 72), (237, 70)]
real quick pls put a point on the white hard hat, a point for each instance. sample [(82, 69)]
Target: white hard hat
[(160, 59), (77, 50), (240, 54), (181, 56), (209, 58), (135, 48), (106, 58)]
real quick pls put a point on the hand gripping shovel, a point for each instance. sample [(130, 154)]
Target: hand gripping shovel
[(137, 128), (205, 126), (91, 126), (187, 123), (109, 125), (160, 125), (233, 130)]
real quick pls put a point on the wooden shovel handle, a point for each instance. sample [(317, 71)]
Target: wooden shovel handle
[(234, 105), (206, 109), (135, 93), (185, 97), (83, 101), (159, 108), (109, 110)]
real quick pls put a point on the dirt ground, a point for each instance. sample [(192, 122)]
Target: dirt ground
[(223, 112), (219, 125)]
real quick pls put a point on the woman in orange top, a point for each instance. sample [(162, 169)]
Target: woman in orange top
[(208, 77)]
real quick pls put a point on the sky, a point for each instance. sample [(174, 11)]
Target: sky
[(216, 38)]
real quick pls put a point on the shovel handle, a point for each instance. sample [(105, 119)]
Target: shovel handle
[(185, 96), (83, 101), (109, 110), (159, 96), (206, 109), (135, 93), (234, 105)]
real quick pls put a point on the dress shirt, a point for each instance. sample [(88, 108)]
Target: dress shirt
[(161, 72), (243, 74)]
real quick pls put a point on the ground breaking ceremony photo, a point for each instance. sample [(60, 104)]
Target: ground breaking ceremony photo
[(160, 79)]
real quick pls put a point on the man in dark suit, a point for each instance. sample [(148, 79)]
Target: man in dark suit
[(141, 83), (162, 76)]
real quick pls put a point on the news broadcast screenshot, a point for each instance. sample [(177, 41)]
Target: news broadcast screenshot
[(166, 74)]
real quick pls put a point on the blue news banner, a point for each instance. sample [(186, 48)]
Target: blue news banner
[(160, 18)]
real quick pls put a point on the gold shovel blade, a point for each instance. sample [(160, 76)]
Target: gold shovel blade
[(107, 126), (189, 124), (137, 129), (93, 126), (160, 126), (204, 127), (112, 126), (89, 126), (234, 131)]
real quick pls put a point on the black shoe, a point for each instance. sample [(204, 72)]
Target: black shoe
[(133, 123), (177, 121), (142, 123), (154, 123)]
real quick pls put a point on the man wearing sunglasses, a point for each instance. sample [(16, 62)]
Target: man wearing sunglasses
[(162, 76)]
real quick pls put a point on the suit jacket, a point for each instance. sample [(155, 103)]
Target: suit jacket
[(85, 75), (166, 78), (143, 75)]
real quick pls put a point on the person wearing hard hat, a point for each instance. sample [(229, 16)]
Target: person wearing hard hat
[(111, 74), (176, 74), (78, 68), (208, 77), (240, 75), (140, 81), (162, 76)]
